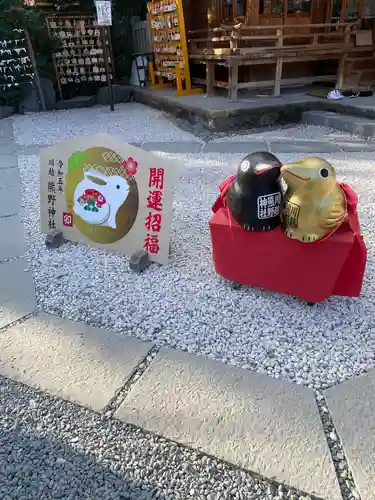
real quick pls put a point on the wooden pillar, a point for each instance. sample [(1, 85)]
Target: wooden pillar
[(234, 9), (285, 12), (210, 77), (361, 9), (279, 65), (319, 11), (217, 11), (252, 12), (341, 68), (340, 73), (329, 11), (344, 7), (233, 82)]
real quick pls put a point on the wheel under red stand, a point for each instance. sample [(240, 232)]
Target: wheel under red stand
[(274, 262)]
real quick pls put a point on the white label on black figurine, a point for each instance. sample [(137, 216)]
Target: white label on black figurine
[(268, 206)]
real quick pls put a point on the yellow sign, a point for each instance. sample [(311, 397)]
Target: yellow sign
[(169, 43), (103, 192)]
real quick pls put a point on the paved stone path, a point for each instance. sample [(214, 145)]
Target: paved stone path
[(352, 405), (262, 424), (17, 294), (265, 425)]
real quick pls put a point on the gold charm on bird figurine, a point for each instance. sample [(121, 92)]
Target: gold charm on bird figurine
[(314, 203)]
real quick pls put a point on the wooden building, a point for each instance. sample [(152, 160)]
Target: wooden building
[(252, 44)]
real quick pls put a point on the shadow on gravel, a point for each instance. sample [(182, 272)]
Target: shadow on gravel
[(40, 468), (53, 449)]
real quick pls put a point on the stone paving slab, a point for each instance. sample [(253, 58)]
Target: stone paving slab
[(71, 360), (9, 177), (6, 129), (265, 425), (7, 160), (10, 199), (32, 149), (243, 147), (302, 146), (17, 292), (173, 147), (12, 243), (7, 145), (352, 405)]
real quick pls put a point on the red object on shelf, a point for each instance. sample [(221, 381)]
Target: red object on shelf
[(274, 262)]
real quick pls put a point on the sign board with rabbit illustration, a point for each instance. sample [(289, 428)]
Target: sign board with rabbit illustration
[(100, 191)]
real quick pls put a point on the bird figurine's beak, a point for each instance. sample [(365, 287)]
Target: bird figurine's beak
[(294, 172), (261, 168)]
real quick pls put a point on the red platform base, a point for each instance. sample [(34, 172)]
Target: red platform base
[(274, 262)]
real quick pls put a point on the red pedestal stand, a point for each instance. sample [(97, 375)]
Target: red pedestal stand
[(274, 262)]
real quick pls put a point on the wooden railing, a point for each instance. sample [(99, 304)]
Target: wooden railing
[(244, 45), (244, 39)]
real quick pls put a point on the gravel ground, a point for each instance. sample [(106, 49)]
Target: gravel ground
[(132, 122), (187, 306), (51, 449)]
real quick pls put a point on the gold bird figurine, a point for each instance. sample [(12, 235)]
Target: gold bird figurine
[(314, 203)]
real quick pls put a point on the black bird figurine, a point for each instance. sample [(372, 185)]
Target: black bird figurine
[(255, 196)]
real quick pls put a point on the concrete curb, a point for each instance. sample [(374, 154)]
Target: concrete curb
[(276, 146), (352, 124), (247, 115)]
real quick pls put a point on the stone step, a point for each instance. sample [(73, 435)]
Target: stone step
[(77, 102), (352, 124), (6, 111)]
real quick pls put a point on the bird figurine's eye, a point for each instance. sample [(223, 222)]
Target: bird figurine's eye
[(245, 165), (117, 187), (324, 173)]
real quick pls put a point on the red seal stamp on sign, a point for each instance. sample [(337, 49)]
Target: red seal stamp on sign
[(67, 219)]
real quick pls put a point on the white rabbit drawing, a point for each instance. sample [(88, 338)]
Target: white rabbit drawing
[(111, 191)]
